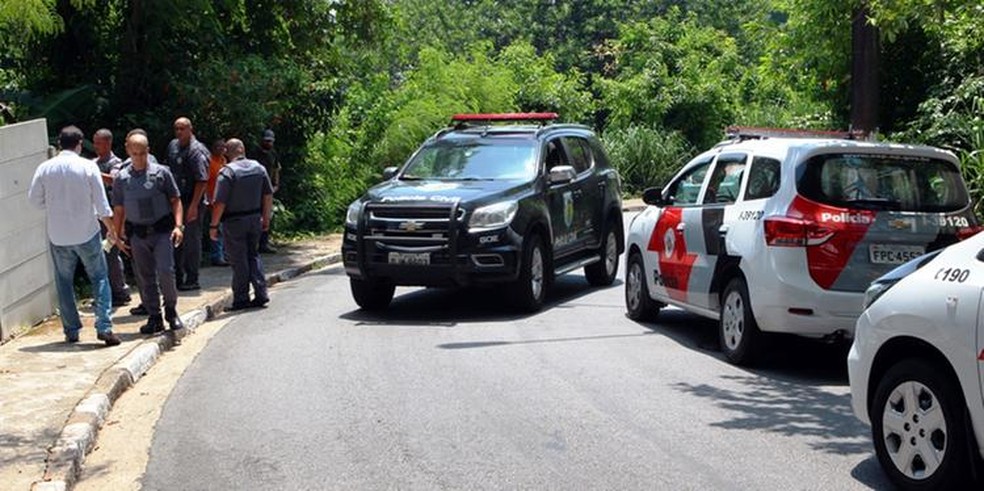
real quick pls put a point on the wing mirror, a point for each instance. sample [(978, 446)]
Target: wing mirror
[(654, 196), (562, 174), (389, 173)]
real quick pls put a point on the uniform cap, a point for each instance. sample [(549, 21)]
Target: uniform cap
[(269, 136)]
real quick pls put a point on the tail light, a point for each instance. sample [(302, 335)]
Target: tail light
[(795, 232), (968, 232)]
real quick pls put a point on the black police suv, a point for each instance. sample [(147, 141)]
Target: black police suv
[(494, 198)]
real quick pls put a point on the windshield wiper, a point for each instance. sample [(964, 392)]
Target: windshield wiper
[(473, 178), (875, 203), (410, 178)]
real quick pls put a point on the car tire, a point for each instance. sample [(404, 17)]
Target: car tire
[(639, 306), (531, 288), (741, 340), (935, 424), (372, 294), (602, 273)]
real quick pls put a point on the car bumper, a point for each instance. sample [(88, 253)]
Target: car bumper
[(859, 361), (806, 311), (471, 261)]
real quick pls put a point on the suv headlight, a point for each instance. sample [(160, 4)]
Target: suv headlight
[(354, 213), (493, 216)]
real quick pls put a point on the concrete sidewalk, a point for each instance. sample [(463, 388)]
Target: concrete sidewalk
[(54, 395)]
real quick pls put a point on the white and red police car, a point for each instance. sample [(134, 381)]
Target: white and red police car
[(782, 231), (916, 368)]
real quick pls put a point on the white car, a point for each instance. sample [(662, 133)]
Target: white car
[(915, 368), (779, 234)]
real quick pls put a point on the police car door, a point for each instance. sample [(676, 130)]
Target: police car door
[(588, 196), (669, 246), (708, 228), (560, 200)]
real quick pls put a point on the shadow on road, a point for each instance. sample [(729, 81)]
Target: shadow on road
[(788, 393), (448, 307)]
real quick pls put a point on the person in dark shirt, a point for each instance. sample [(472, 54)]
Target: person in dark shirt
[(110, 165), (188, 160), (268, 158), (242, 203)]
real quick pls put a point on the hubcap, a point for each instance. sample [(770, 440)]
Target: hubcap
[(536, 272), (733, 320), (611, 254), (914, 429), (633, 286)]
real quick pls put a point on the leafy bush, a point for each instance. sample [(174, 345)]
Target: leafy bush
[(646, 157)]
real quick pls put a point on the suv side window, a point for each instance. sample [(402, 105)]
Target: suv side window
[(725, 182), (763, 178), (555, 155), (685, 190), (580, 154)]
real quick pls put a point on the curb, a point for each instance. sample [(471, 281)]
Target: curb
[(78, 436)]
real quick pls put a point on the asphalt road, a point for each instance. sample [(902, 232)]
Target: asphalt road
[(445, 391)]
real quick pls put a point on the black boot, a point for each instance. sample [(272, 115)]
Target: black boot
[(154, 325), (173, 319)]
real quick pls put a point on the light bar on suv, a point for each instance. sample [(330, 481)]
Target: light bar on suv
[(758, 133), (500, 117)]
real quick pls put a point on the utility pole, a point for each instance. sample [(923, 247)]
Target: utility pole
[(864, 72)]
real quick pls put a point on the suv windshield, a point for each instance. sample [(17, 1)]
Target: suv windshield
[(474, 160), (891, 182)]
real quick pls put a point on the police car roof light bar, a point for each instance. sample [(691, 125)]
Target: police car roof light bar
[(500, 117), (742, 133)]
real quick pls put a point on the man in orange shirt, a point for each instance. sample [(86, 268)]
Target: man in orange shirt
[(215, 164)]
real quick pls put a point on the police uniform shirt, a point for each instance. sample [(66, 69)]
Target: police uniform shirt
[(145, 195), (241, 186), (110, 165), (189, 165)]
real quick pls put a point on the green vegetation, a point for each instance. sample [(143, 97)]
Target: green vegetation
[(354, 86)]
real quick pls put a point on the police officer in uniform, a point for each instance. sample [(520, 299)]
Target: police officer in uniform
[(188, 160), (243, 203), (146, 197)]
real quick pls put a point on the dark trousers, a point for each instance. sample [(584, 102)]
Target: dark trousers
[(188, 256), (242, 239), (153, 263)]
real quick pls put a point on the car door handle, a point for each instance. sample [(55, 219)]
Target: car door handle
[(681, 227), (724, 230)]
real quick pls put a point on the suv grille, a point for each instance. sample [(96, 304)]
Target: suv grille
[(411, 226)]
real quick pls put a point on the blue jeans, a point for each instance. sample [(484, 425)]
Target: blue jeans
[(66, 258)]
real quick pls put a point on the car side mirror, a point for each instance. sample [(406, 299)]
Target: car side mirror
[(389, 172), (562, 174), (653, 196)]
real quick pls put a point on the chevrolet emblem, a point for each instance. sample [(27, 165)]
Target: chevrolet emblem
[(900, 224), (411, 226)]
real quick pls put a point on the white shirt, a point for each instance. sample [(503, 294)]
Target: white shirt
[(70, 188)]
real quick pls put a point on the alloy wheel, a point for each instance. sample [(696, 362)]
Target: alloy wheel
[(914, 429), (733, 320)]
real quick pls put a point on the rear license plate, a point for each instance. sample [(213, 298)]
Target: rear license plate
[(894, 254), (411, 258)]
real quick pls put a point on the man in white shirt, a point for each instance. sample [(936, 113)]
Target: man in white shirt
[(70, 189)]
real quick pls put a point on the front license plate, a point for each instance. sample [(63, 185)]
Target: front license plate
[(411, 258), (894, 254)]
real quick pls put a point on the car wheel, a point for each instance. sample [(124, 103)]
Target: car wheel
[(918, 427), (602, 273), (740, 337), (638, 304), (372, 294), (531, 287)]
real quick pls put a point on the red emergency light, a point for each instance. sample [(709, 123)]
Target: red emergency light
[(461, 118)]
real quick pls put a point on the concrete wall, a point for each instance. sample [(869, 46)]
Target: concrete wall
[(27, 290)]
